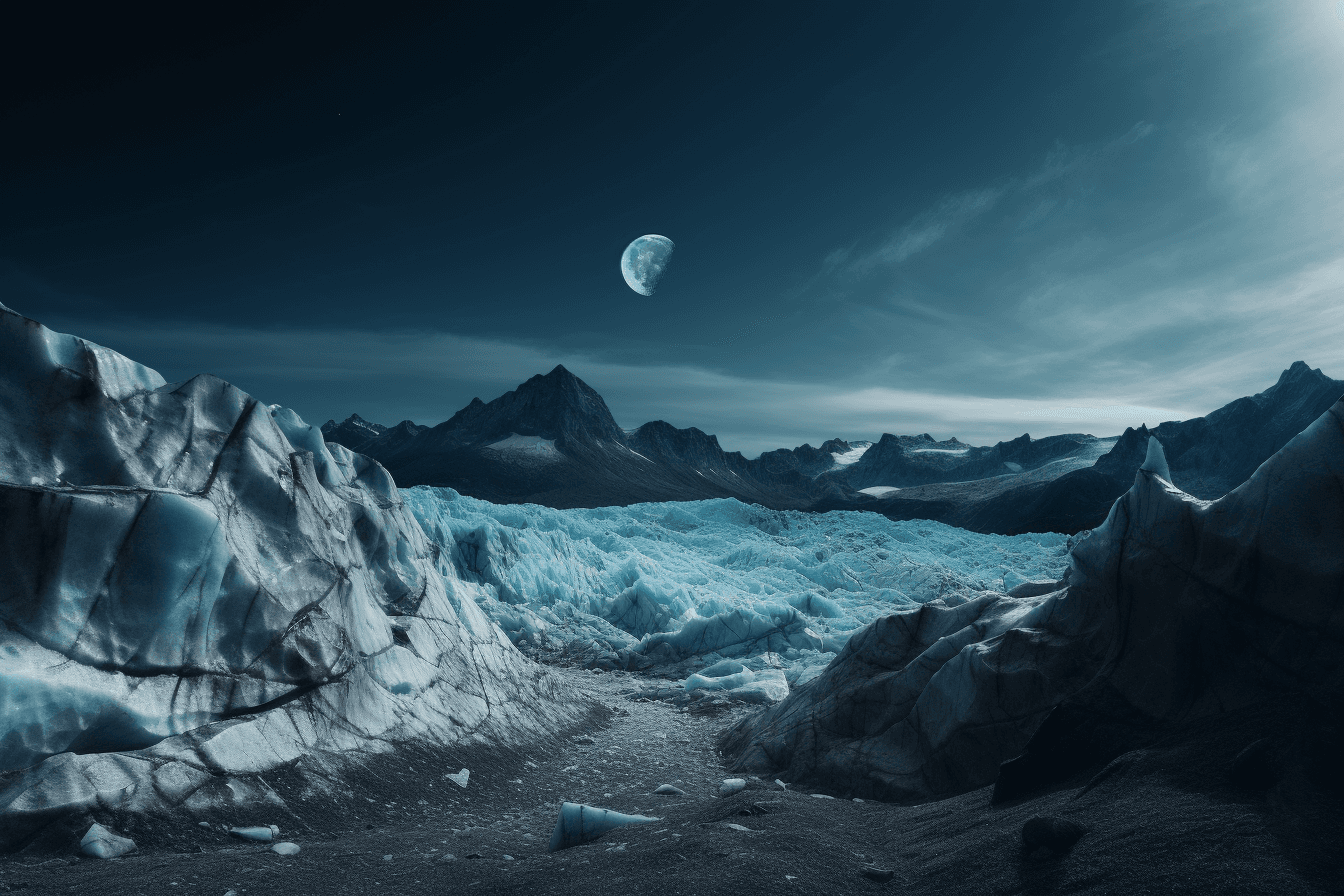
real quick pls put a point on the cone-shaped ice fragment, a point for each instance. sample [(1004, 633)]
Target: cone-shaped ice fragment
[(1156, 461), (101, 843), (579, 824), (262, 834)]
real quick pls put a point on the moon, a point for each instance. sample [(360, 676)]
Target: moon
[(644, 262)]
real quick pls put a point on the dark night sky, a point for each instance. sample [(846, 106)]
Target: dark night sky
[(967, 218)]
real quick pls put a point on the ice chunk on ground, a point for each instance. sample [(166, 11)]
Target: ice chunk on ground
[(286, 848), (459, 778), (740, 682), (580, 824), (102, 843), (260, 833), (731, 786)]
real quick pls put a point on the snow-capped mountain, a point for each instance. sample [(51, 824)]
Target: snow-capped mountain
[(1211, 455), (905, 461), (355, 432), (553, 441)]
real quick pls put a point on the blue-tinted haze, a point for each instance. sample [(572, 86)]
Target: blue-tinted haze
[(973, 219)]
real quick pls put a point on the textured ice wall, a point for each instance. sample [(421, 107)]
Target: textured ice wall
[(694, 582), (190, 574)]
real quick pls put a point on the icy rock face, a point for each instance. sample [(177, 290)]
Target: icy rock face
[(1178, 606), (689, 584), (175, 559)]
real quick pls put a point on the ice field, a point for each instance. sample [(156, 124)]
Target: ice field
[(742, 596)]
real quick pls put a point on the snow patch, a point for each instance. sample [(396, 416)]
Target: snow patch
[(856, 451), (527, 448)]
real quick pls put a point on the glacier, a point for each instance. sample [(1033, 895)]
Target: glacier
[(195, 588), (691, 586)]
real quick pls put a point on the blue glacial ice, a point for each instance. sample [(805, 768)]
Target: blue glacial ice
[(195, 589), (578, 824), (729, 594)]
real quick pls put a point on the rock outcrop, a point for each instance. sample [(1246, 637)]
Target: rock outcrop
[(194, 588), (1173, 608)]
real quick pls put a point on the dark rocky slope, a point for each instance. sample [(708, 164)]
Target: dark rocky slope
[(1211, 455), (1175, 609), (904, 461), (553, 441)]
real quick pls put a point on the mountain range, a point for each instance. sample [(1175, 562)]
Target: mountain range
[(554, 441)]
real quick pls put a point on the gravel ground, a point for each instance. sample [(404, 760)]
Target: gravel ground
[(1164, 821)]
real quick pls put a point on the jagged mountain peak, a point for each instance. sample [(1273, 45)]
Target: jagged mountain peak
[(355, 426), (1300, 374), (556, 405), (1297, 368), (560, 372)]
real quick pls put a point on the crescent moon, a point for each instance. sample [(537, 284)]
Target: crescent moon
[(644, 261)]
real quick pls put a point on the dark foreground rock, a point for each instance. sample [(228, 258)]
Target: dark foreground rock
[(1174, 608)]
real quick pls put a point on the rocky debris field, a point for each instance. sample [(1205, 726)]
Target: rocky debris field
[(1172, 817)]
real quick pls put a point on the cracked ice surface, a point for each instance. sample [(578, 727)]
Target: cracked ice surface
[(694, 582), (190, 574)]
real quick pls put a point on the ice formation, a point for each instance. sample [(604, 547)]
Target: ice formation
[(1173, 608), (194, 586), (101, 843), (693, 584), (578, 824)]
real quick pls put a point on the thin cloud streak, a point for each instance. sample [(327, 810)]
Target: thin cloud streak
[(416, 375), (956, 210)]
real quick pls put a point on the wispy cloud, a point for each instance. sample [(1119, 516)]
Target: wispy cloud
[(429, 376), (956, 210), (930, 226)]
